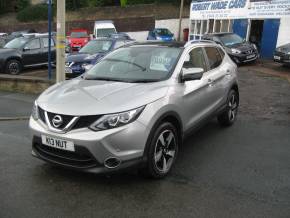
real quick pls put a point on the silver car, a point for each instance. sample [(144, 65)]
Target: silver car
[(135, 107)]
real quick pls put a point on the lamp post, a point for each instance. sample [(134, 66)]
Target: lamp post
[(49, 37), (60, 38), (180, 19)]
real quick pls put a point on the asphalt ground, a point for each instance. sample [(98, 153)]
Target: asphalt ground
[(241, 171)]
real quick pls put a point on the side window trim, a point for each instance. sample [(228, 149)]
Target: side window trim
[(204, 57), (27, 44), (215, 47)]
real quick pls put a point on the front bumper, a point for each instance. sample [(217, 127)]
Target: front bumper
[(244, 58), (92, 148), (281, 57)]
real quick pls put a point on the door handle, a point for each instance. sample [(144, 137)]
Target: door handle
[(210, 82)]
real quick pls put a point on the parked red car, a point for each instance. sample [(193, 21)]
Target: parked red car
[(78, 38)]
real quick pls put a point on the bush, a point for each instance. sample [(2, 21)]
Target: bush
[(96, 3), (135, 2), (22, 4), (33, 13)]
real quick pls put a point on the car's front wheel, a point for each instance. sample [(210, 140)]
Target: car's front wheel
[(13, 67), (229, 116), (163, 150)]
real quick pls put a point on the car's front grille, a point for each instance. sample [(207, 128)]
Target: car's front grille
[(65, 118), (85, 121), (81, 158), (82, 122), (248, 52)]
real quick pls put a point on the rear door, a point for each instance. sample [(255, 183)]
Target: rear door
[(45, 43), (32, 53)]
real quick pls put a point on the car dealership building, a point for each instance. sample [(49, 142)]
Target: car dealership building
[(265, 23)]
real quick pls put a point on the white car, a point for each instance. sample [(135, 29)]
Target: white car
[(104, 28)]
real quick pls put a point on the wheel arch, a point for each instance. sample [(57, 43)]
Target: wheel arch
[(171, 117), (13, 58), (236, 88)]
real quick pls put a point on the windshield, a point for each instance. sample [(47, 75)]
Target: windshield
[(79, 35), (16, 43), (105, 32), (96, 46), (231, 39), (136, 64), (163, 32)]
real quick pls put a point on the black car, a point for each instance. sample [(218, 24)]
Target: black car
[(26, 51), (80, 62), (237, 48), (282, 54)]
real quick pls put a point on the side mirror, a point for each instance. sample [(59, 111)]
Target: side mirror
[(191, 74)]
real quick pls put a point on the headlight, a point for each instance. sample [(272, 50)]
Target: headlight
[(87, 67), (288, 53), (111, 121), (235, 51), (34, 113)]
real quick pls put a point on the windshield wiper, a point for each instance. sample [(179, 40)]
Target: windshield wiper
[(144, 81), (107, 79), (128, 62)]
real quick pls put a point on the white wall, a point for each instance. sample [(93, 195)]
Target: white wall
[(172, 25), (284, 31)]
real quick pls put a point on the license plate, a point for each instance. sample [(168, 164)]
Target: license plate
[(68, 70), (277, 57), (58, 143), (251, 56)]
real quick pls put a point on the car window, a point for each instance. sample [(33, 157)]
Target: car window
[(214, 57), (33, 44), (79, 34), (105, 32), (195, 59), (45, 42), (119, 44)]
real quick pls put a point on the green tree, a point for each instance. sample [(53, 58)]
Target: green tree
[(22, 4), (3, 5)]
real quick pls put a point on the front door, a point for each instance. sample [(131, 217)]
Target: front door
[(32, 53), (196, 93)]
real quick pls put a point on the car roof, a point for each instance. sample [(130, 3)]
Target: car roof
[(173, 44), (219, 34), (110, 39)]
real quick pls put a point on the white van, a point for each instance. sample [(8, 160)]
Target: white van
[(104, 28)]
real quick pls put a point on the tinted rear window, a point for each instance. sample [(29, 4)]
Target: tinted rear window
[(214, 57)]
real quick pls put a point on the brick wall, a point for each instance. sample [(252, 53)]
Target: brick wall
[(122, 25)]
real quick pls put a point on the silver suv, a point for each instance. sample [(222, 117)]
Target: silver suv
[(135, 107)]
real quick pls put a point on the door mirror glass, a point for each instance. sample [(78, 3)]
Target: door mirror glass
[(192, 74)]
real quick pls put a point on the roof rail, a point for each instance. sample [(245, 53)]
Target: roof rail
[(198, 41)]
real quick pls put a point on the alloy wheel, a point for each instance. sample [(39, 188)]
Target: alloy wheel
[(233, 107), (165, 150)]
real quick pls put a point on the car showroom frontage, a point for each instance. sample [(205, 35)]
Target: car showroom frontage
[(265, 23)]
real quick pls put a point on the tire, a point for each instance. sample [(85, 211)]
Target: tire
[(162, 152), (229, 116), (13, 67)]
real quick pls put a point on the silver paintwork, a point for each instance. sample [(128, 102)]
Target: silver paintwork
[(192, 101)]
